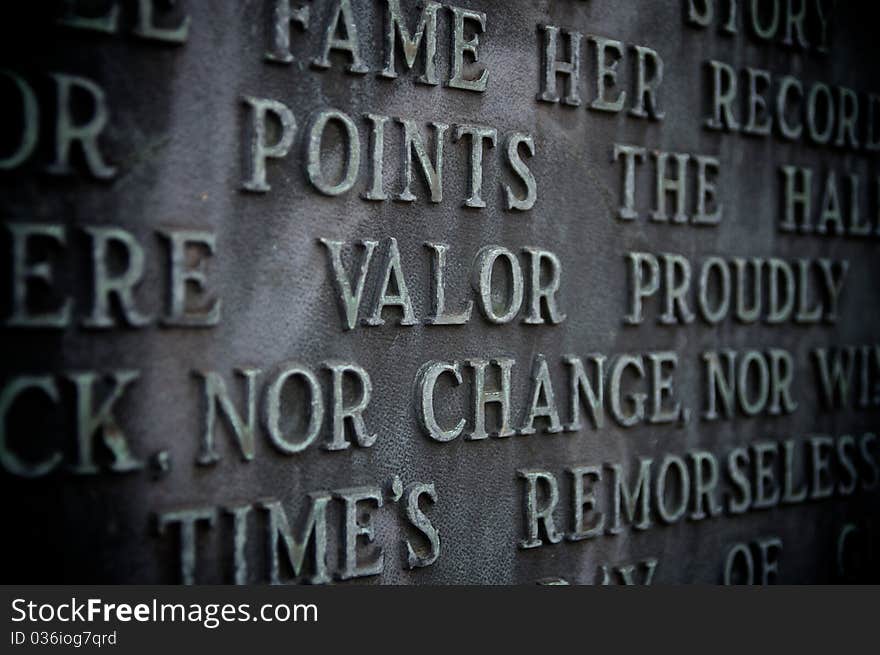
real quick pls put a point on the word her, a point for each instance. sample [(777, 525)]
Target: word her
[(608, 56)]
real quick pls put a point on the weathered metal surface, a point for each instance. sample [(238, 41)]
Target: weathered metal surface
[(190, 197)]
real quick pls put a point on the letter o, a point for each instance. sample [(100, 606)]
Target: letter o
[(353, 152), (762, 31), (684, 482), (752, 407), (730, 561), (486, 259), (816, 135), (30, 123), (714, 315), (273, 410)]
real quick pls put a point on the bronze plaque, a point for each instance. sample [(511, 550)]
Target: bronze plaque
[(411, 292)]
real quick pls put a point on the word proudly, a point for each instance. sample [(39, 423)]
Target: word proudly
[(804, 290)]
